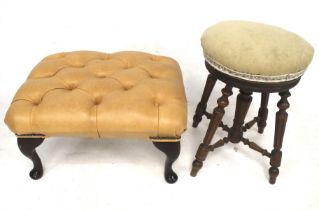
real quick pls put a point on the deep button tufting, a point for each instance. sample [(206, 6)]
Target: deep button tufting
[(114, 97), (152, 76), (157, 102), (97, 101), (82, 65), (101, 76), (36, 103), (71, 87), (126, 88)]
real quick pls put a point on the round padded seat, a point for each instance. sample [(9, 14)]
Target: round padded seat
[(255, 51)]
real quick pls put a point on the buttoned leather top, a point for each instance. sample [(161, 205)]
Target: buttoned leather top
[(93, 94)]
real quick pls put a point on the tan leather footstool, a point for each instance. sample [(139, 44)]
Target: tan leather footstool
[(98, 95)]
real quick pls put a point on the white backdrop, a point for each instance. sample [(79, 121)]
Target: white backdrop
[(110, 174)]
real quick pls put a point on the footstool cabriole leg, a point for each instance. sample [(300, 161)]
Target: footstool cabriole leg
[(263, 112), (281, 119), (215, 120), (201, 107), (27, 146), (171, 150)]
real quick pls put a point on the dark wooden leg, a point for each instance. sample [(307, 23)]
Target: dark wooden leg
[(171, 150), (263, 112), (242, 105), (215, 120), (27, 147), (281, 119), (201, 107)]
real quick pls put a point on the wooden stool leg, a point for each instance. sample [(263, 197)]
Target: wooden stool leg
[(263, 112), (281, 119), (215, 120), (171, 150), (242, 105), (201, 107), (27, 147)]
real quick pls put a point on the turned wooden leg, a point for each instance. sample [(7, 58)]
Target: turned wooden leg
[(27, 147), (263, 112), (201, 107), (171, 150), (242, 105), (215, 120), (281, 119)]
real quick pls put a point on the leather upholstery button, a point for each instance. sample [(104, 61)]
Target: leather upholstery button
[(36, 103), (78, 65), (157, 102), (101, 76), (97, 101), (71, 87)]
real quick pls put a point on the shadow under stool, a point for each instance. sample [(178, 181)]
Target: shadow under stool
[(252, 62)]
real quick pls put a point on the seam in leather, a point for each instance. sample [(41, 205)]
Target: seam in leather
[(96, 125), (110, 77), (65, 86), (55, 73), (30, 118), (45, 93), (41, 96), (143, 69), (32, 121), (158, 121), (65, 66), (77, 88), (126, 63), (84, 64), (21, 99), (49, 75), (63, 83), (97, 130)]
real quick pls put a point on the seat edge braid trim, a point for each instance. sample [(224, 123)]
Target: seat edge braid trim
[(252, 77), (30, 135), (165, 138)]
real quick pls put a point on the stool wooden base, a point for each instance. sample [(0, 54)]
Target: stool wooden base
[(235, 133), (28, 144)]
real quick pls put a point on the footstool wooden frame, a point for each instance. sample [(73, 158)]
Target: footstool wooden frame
[(28, 144), (98, 95)]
